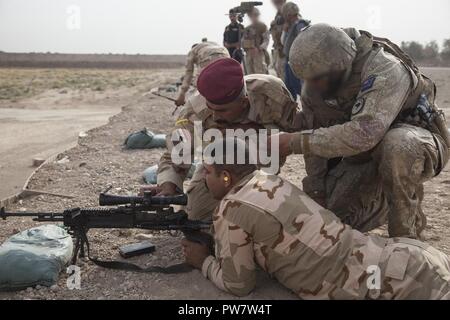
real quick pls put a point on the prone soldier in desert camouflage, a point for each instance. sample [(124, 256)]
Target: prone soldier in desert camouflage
[(263, 220), (200, 55), (372, 133), (226, 100)]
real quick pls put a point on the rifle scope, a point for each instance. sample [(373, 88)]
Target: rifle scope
[(113, 200)]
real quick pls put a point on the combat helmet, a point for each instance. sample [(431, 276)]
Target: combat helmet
[(290, 9), (321, 49)]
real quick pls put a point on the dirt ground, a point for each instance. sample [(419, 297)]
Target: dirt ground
[(43, 111), (99, 161)]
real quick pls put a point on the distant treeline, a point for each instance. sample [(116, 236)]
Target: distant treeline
[(114, 61), (430, 54)]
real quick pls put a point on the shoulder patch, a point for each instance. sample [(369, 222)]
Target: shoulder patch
[(359, 106), (368, 83)]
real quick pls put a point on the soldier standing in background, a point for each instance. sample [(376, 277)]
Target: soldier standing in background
[(255, 41), (232, 37), (293, 25), (200, 55), (276, 30)]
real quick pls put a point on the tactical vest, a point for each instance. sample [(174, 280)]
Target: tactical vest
[(420, 84), (233, 33), (276, 30), (253, 36)]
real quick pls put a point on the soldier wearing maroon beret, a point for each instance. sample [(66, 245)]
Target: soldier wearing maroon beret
[(226, 99)]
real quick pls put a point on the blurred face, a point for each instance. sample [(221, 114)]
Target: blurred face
[(254, 17), (327, 85), (290, 18), (218, 183), (278, 3), (233, 17), (230, 112)]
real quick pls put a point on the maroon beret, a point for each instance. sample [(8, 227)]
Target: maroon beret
[(222, 81)]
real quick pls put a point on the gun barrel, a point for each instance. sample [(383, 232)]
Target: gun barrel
[(39, 216)]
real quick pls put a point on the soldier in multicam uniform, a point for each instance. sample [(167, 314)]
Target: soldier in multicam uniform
[(373, 133), (294, 24), (276, 30), (255, 40), (263, 220), (225, 100), (200, 55)]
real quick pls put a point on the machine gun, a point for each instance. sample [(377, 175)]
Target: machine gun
[(129, 212), (245, 8)]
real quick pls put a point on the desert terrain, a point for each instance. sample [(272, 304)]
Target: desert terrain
[(97, 160), (43, 111)]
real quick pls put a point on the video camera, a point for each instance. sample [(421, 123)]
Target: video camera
[(245, 8)]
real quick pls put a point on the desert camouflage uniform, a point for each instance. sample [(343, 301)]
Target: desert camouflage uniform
[(256, 36), (278, 57), (363, 155), (201, 55), (266, 221), (271, 107)]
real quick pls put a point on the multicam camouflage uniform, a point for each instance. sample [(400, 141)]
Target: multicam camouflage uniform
[(271, 107), (201, 55), (367, 154), (256, 36), (266, 221), (278, 57)]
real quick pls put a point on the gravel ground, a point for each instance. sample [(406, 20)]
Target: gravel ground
[(99, 161)]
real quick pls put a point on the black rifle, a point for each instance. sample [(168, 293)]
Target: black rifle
[(130, 212)]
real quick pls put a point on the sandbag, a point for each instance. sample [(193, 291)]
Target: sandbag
[(34, 257), (150, 174), (145, 139)]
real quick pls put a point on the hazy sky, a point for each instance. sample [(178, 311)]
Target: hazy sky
[(172, 26)]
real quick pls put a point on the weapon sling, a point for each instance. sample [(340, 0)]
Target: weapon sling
[(82, 240)]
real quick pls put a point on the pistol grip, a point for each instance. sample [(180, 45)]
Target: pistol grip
[(202, 238)]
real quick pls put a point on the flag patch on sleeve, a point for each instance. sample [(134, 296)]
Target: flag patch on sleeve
[(368, 83)]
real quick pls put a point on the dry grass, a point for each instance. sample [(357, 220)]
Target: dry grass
[(17, 83)]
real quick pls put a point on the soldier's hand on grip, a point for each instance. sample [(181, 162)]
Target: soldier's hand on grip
[(166, 189), (181, 100)]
